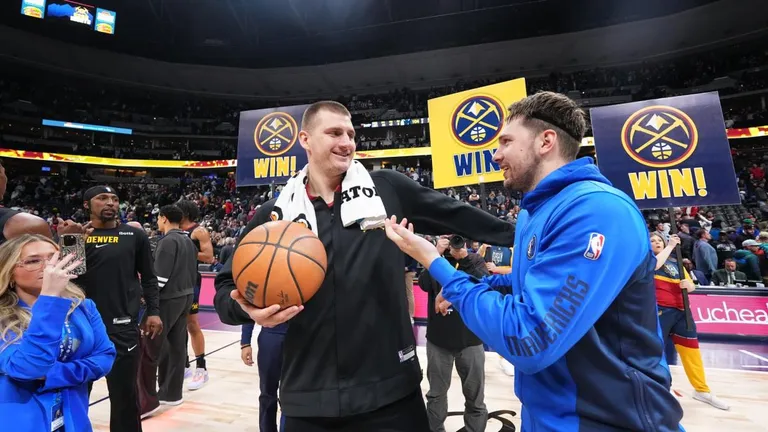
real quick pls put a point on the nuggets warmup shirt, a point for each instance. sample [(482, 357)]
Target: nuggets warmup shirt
[(119, 272)]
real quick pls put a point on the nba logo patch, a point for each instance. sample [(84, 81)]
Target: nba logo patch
[(595, 246)]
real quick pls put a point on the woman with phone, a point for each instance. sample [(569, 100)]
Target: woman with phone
[(52, 340)]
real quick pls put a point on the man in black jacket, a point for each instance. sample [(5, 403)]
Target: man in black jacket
[(350, 355), (115, 257), (176, 270), (449, 340)]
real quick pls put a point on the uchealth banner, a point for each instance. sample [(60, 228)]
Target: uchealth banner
[(464, 128), (670, 152), (268, 148), (724, 314)]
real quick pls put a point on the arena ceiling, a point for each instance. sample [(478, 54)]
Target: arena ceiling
[(278, 33)]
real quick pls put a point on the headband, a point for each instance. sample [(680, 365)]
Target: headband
[(96, 190)]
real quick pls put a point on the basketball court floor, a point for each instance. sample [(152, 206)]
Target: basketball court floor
[(737, 373)]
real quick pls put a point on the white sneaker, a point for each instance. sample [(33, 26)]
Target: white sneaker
[(187, 373), (198, 379), (152, 412), (506, 367), (171, 403), (711, 399)]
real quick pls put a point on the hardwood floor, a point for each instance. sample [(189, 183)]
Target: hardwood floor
[(229, 402)]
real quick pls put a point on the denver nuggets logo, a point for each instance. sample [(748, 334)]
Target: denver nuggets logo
[(477, 121), (659, 136), (276, 133)]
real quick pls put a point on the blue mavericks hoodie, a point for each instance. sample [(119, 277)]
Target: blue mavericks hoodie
[(26, 401), (581, 324)]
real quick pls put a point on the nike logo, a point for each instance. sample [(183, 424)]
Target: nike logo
[(131, 348), (101, 246)]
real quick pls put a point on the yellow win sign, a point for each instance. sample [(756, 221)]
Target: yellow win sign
[(465, 128)]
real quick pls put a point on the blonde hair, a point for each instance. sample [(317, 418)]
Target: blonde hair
[(14, 318)]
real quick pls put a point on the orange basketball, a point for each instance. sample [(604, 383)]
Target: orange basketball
[(279, 262)]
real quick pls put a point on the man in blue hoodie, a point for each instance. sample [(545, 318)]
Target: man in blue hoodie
[(580, 325)]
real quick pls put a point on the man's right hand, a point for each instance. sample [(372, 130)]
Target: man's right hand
[(443, 243), (246, 354), (268, 317)]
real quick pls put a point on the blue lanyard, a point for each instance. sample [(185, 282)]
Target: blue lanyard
[(67, 343)]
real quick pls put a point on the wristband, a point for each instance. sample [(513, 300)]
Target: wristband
[(245, 346)]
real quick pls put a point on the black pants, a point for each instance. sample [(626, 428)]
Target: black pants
[(163, 358), (406, 415), (269, 359), (173, 357), (124, 415)]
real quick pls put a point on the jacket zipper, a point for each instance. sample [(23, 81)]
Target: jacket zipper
[(640, 391)]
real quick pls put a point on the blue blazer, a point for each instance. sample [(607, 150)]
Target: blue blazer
[(24, 396)]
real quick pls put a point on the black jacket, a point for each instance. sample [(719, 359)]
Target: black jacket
[(352, 349), (176, 265), (449, 332)]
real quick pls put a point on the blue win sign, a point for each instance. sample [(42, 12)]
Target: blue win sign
[(670, 152)]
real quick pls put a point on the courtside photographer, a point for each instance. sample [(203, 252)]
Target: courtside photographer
[(449, 341)]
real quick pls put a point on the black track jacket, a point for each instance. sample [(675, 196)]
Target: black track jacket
[(352, 349)]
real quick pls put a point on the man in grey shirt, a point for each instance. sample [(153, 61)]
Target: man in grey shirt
[(176, 269)]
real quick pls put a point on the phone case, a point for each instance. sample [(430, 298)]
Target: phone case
[(78, 249)]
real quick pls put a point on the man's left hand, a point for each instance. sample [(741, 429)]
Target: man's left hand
[(417, 247), (441, 304), (153, 326)]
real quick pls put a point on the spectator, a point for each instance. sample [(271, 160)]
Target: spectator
[(704, 255), (697, 276), (748, 261), (43, 374)]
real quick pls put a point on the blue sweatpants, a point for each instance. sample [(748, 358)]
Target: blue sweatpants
[(269, 360)]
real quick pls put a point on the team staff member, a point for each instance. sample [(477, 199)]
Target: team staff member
[(449, 341), (176, 270), (115, 257), (349, 356), (581, 325), (202, 240)]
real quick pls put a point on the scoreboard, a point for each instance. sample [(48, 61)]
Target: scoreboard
[(79, 14)]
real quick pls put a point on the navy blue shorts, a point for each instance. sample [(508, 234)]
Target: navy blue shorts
[(195, 301)]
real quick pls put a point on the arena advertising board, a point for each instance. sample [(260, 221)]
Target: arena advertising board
[(670, 152), (268, 148), (464, 129)]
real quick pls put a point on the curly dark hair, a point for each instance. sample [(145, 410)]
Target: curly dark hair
[(190, 210)]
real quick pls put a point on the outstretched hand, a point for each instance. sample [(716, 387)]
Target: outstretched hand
[(417, 247)]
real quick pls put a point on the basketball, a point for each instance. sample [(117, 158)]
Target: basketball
[(279, 262)]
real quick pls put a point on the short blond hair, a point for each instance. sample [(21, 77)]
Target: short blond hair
[(313, 110)]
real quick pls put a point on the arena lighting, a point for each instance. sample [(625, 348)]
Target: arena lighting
[(89, 127)]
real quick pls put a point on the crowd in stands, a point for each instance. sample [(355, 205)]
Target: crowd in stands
[(32, 93), (225, 209), (723, 242)]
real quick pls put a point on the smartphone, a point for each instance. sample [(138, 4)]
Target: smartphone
[(74, 244)]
